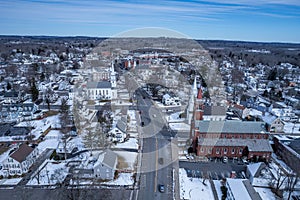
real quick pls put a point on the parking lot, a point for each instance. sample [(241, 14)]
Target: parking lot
[(214, 169)]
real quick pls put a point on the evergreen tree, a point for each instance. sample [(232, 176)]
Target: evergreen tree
[(34, 91), (8, 86)]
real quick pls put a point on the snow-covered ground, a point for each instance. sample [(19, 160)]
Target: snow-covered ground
[(126, 160), (193, 188), (132, 125), (50, 173), (123, 179), (132, 143), (265, 193), (50, 141), (291, 128), (11, 181), (179, 126), (161, 105), (174, 117)]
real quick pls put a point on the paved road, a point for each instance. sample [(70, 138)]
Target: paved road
[(157, 165)]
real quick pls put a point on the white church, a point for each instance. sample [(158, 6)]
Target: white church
[(103, 89)]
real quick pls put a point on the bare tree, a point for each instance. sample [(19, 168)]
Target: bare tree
[(292, 180), (48, 96), (278, 181)]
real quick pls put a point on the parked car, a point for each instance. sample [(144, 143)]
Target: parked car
[(161, 188), (225, 159)]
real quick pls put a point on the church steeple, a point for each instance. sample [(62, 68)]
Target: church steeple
[(195, 90), (113, 76)]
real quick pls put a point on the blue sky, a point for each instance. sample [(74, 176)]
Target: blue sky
[(249, 20)]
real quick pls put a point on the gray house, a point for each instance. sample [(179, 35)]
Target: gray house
[(105, 166)]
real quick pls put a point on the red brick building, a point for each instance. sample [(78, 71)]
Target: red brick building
[(233, 139)]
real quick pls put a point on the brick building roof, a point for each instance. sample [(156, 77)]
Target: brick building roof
[(254, 145), (230, 127)]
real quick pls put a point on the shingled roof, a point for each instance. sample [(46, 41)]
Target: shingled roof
[(230, 127), (101, 84), (254, 145), (214, 110), (21, 153)]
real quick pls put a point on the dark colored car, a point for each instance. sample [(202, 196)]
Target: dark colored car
[(161, 188)]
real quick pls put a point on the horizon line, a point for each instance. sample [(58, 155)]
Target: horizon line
[(107, 37)]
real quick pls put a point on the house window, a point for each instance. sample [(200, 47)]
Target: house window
[(232, 151), (209, 150), (202, 150), (225, 150), (217, 151), (241, 151)]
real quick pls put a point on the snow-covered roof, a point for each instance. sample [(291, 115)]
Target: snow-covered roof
[(255, 168), (254, 145), (102, 84), (240, 189), (107, 158), (269, 119), (230, 127)]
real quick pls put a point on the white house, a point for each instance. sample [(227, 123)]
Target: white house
[(285, 114), (169, 100), (19, 161), (275, 124), (119, 131)]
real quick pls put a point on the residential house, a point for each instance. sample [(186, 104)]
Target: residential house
[(119, 132), (169, 100), (285, 114), (12, 96), (274, 124), (14, 133), (105, 166), (67, 147), (102, 165), (253, 100), (237, 189), (253, 170), (20, 160), (15, 111)]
